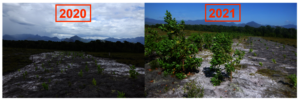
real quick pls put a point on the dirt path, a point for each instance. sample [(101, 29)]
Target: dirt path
[(246, 82), (64, 81)]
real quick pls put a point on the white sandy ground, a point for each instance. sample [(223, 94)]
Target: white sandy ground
[(109, 66), (243, 84)]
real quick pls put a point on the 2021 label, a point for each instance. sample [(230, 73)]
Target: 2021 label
[(222, 12)]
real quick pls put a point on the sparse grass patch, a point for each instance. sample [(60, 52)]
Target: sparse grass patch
[(268, 72), (289, 41), (194, 91), (121, 95)]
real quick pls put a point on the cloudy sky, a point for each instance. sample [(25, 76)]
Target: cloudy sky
[(123, 20)]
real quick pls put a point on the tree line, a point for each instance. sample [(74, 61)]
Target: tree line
[(93, 46), (266, 31)]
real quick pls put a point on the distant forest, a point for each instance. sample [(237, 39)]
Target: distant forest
[(266, 31), (93, 46)]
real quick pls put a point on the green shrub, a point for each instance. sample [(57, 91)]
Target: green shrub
[(217, 79), (179, 75), (100, 70), (132, 72), (260, 64), (45, 86), (250, 50), (80, 73), (86, 68), (154, 64), (274, 61), (121, 95), (94, 82), (293, 79), (174, 49)]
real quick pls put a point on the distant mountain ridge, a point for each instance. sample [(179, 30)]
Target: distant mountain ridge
[(150, 21), (71, 39)]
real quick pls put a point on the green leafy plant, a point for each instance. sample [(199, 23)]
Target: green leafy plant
[(254, 54), (293, 79), (194, 91), (260, 64), (132, 72), (250, 50), (100, 70), (283, 46), (229, 69), (217, 79), (25, 74), (267, 47), (86, 68), (174, 50), (179, 75), (284, 56), (121, 95), (274, 61), (45, 86), (80, 73), (94, 82)]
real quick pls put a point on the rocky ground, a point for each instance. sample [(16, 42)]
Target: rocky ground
[(64, 81), (250, 80)]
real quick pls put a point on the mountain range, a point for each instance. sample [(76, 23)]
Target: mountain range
[(71, 39), (150, 21)]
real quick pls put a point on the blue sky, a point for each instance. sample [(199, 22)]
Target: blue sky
[(117, 20), (262, 13)]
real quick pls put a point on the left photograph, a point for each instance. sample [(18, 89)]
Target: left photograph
[(73, 50)]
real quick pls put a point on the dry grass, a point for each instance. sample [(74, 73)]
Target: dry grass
[(287, 41)]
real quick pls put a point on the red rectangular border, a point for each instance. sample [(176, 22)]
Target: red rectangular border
[(73, 5), (224, 20)]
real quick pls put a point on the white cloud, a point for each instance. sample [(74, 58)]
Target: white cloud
[(109, 20)]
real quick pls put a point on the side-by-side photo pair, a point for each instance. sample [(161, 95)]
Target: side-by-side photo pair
[(149, 50)]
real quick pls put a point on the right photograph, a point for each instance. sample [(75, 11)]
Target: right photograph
[(221, 50)]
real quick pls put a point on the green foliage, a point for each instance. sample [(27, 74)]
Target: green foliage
[(274, 61), (86, 68), (250, 50), (154, 64), (25, 74), (293, 79), (267, 47), (94, 82), (179, 75), (100, 70), (229, 68), (254, 54), (121, 95), (217, 79), (194, 91), (174, 50), (283, 46), (45, 86), (132, 72), (284, 56), (80, 73), (260, 64), (196, 39)]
